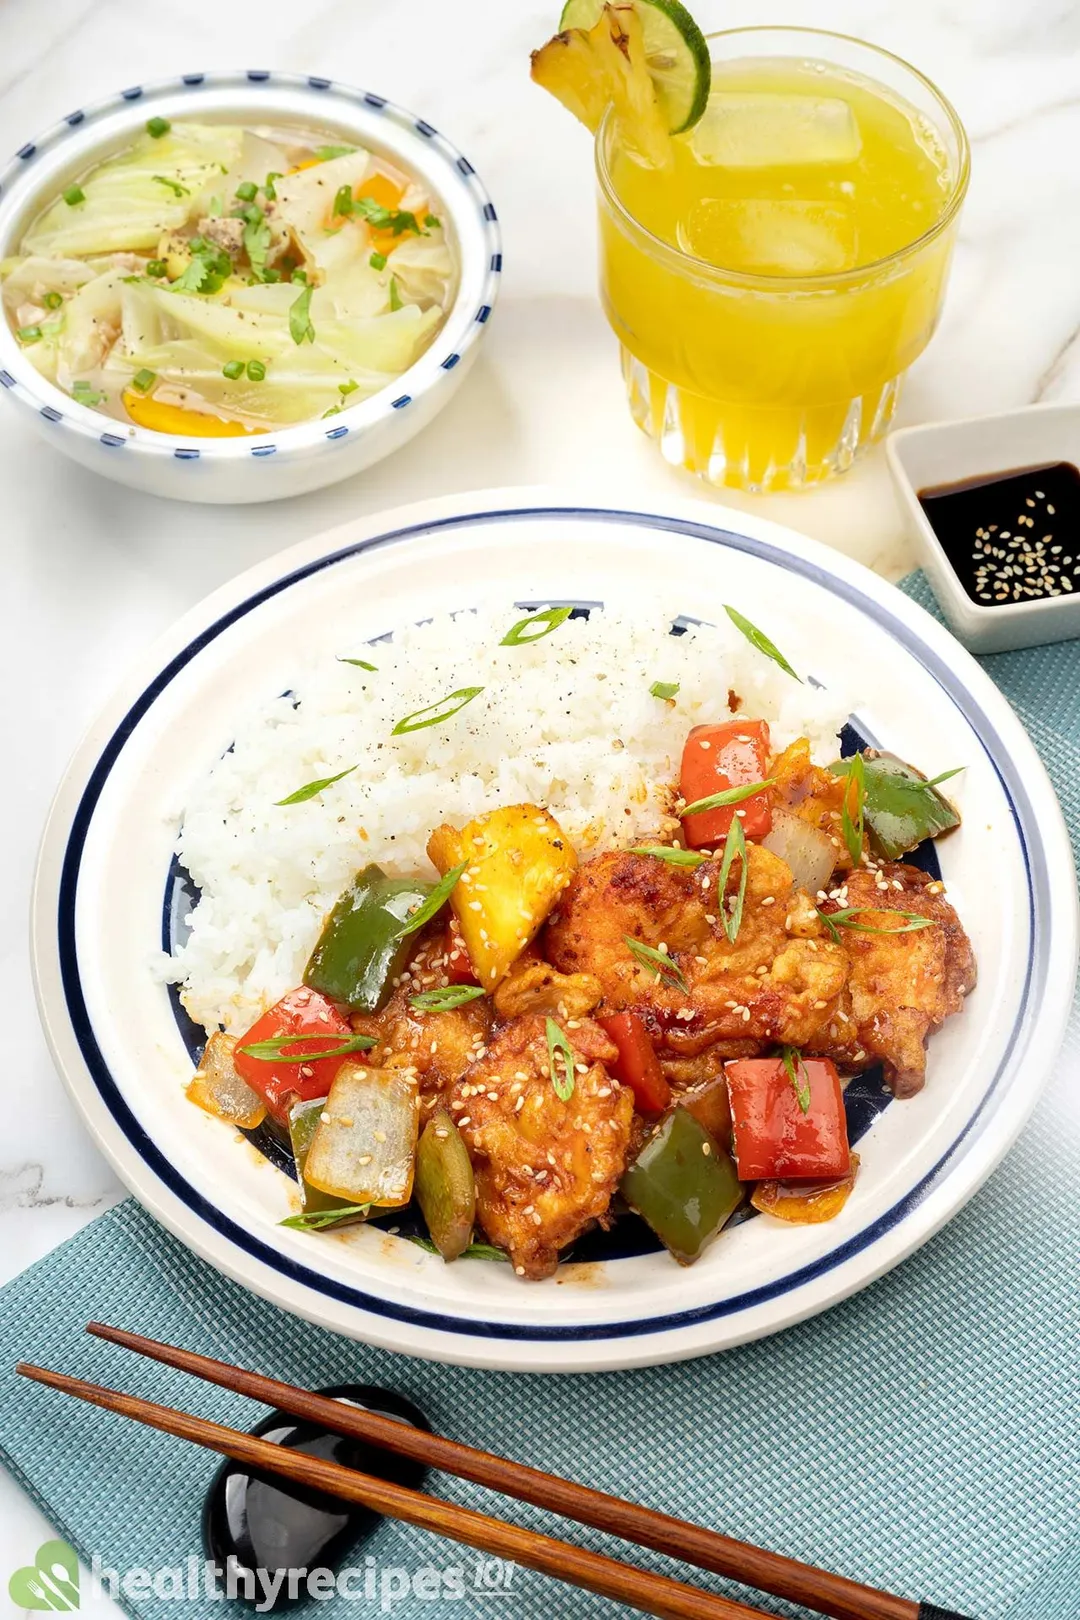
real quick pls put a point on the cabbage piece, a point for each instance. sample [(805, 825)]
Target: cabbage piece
[(125, 207), (305, 200), (91, 324), (29, 279), (256, 159), (423, 269)]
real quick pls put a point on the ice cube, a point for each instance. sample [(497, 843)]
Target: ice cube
[(765, 129), (771, 236)]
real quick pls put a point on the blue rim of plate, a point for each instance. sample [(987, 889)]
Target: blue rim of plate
[(1012, 785)]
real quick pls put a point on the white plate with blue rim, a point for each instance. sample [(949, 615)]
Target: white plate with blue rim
[(108, 895)]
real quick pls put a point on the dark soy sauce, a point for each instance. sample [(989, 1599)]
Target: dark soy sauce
[(263, 1521), (1011, 537)]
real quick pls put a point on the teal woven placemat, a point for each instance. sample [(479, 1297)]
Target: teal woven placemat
[(922, 1437)]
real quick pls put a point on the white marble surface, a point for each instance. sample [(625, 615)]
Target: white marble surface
[(91, 572)]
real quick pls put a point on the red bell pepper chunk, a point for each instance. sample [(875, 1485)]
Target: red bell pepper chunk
[(459, 968), (637, 1064), (301, 1075), (718, 757), (774, 1139)]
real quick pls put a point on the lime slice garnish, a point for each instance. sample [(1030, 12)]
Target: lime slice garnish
[(676, 54)]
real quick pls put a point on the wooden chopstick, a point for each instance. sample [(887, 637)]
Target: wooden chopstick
[(707, 1549), (651, 1594)]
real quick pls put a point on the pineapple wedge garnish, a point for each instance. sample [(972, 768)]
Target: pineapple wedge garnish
[(590, 70)]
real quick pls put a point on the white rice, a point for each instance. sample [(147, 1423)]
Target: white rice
[(568, 723)]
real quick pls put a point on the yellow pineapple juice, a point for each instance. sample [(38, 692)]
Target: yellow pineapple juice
[(773, 282)]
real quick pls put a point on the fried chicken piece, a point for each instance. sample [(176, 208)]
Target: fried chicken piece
[(901, 986), (545, 1169), (533, 986), (440, 1046), (779, 982)]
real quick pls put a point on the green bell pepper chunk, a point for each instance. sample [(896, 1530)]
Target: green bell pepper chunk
[(303, 1119), (361, 949), (683, 1185), (901, 807)]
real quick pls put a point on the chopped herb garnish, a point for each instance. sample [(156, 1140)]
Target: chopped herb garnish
[(361, 663), (246, 191), (174, 185), (559, 1047), (835, 920), (85, 394), (53, 300), (144, 380), (208, 270), (395, 296), (433, 222), (157, 127), (547, 620), (29, 334), (268, 186), (326, 154), (444, 709), (310, 790), (446, 998), (378, 261), (256, 241), (393, 220), (475, 1251), (315, 1220), (734, 845), (664, 689), (157, 268), (659, 961), (256, 371), (233, 370), (343, 203), (269, 274), (300, 327), (735, 795), (274, 1050), (349, 387), (673, 856), (74, 195), (435, 901), (798, 1074), (757, 638), (852, 825)]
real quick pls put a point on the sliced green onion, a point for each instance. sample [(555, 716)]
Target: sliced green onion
[(852, 826), (673, 856), (174, 185), (53, 300), (943, 776), (664, 689), (300, 327), (233, 369), (734, 844), (156, 268), (757, 638), (798, 1075), (268, 186), (144, 380), (74, 195), (326, 154), (84, 394), (546, 621), (273, 1051), (435, 901), (559, 1046), (475, 1251), (311, 790), (315, 1220), (157, 127), (659, 961), (835, 920), (446, 998), (420, 719), (29, 334), (360, 663), (256, 370), (343, 202), (246, 191), (735, 795), (378, 261)]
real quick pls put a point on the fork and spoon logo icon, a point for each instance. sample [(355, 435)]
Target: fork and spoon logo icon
[(50, 1582)]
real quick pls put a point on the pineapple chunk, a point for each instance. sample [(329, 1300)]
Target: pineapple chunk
[(591, 69), (520, 861), (217, 1088), (364, 1146)]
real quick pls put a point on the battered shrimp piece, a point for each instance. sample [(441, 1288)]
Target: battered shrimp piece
[(778, 982), (901, 986), (545, 1169), (440, 1046)]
